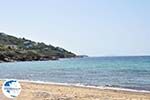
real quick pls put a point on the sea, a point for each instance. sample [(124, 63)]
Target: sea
[(129, 72)]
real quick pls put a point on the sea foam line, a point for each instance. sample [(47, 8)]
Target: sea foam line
[(83, 86)]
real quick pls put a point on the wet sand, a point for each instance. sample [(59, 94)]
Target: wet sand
[(39, 91)]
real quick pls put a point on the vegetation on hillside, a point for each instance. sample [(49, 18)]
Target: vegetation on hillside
[(21, 49)]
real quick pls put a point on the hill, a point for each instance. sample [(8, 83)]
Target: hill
[(21, 49)]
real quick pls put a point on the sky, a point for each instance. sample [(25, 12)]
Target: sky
[(85, 27)]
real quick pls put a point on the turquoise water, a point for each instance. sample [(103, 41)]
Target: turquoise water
[(125, 72)]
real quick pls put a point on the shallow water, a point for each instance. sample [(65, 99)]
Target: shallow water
[(125, 72)]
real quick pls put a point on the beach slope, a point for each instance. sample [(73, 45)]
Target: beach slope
[(36, 91)]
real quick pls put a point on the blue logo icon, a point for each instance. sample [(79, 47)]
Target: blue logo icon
[(11, 88)]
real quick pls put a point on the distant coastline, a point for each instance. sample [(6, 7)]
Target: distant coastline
[(20, 49)]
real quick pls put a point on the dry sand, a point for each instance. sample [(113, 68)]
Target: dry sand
[(36, 91)]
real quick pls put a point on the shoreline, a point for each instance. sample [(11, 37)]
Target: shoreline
[(32, 90), (59, 59), (78, 85)]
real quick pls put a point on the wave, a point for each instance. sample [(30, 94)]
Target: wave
[(83, 86)]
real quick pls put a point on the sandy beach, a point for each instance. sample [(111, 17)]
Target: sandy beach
[(39, 91)]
